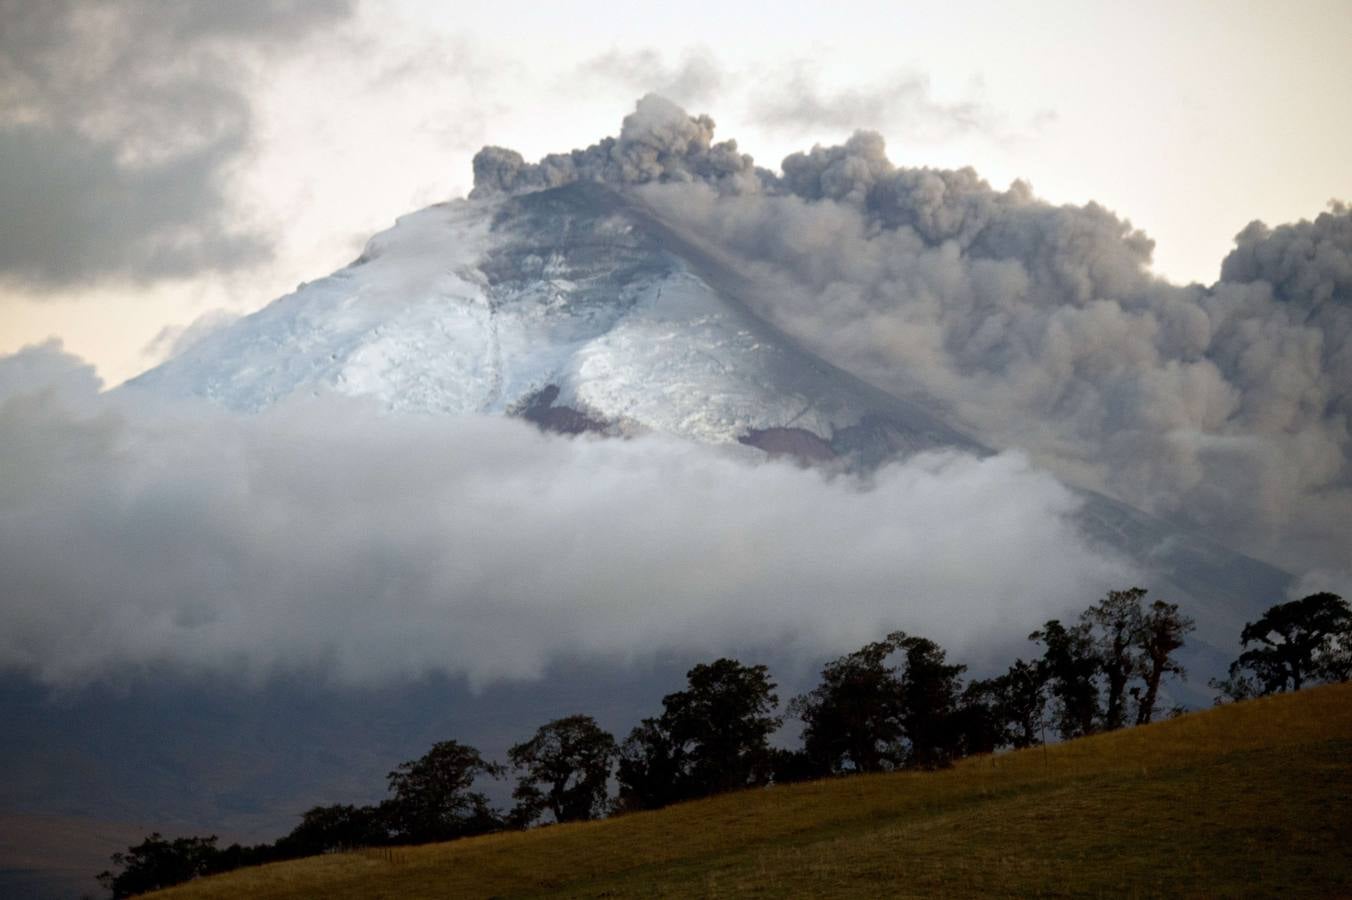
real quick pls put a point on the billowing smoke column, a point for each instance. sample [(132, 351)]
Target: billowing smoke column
[(1038, 326), (658, 142)]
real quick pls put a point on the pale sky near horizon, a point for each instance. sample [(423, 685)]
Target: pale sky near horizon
[(1189, 119)]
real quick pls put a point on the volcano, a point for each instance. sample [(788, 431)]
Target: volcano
[(575, 307), (569, 295), (580, 309)]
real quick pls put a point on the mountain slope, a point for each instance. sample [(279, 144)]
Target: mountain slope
[(1241, 800), (579, 308), (570, 298)]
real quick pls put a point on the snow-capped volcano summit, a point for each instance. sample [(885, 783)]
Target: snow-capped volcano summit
[(573, 306), (659, 281)]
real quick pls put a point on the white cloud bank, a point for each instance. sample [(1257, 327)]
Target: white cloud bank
[(325, 536)]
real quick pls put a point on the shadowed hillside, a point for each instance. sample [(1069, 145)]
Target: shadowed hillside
[(1244, 799)]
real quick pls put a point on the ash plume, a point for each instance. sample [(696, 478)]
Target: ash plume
[(1039, 326), (658, 142)]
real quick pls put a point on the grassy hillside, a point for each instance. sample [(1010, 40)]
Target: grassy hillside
[(1246, 799)]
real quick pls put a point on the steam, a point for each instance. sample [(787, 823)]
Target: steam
[(694, 79), (1041, 327), (799, 104), (325, 536)]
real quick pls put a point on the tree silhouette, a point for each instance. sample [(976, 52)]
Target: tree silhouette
[(852, 719), (929, 702), (565, 769), (1161, 633), (1292, 643), (324, 829), (651, 767), (432, 797), (869, 716), (711, 737), (1116, 622), (159, 863), (1023, 697), (1072, 665), (981, 723)]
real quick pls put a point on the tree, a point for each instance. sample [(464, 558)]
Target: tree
[(852, 719), (564, 770), (432, 797), (1023, 699), (651, 766), (929, 702), (1005, 711), (1116, 623), (157, 863), (1072, 666), (326, 829), (724, 720), (869, 716), (1162, 630), (790, 766), (981, 724), (1292, 643), (711, 737)]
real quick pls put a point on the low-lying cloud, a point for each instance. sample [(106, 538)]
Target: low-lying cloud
[(326, 536)]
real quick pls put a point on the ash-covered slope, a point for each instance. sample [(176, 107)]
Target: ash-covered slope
[(572, 306)]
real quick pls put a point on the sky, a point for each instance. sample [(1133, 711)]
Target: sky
[(161, 167)]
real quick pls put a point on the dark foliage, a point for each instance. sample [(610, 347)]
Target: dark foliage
[(981, 721), (790, 766), (930, 689), (432, 797), (327, 829), (1116, 625), (852, 719), (1072, 666), (1162, 631), (651, 762), (1291, 644), (564, 770), (1023, 702), (870, 716), (711, 737), (1117, 655), (159, 863)]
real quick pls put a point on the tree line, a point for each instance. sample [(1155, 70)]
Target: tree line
[(897, 703)]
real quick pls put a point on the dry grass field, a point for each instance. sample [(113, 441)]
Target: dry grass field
[(1243, 800)]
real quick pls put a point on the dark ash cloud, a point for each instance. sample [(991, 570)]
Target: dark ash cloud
[(1038, 326), (120, 121), (658, 142), (325, 537), (1306, 263)]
